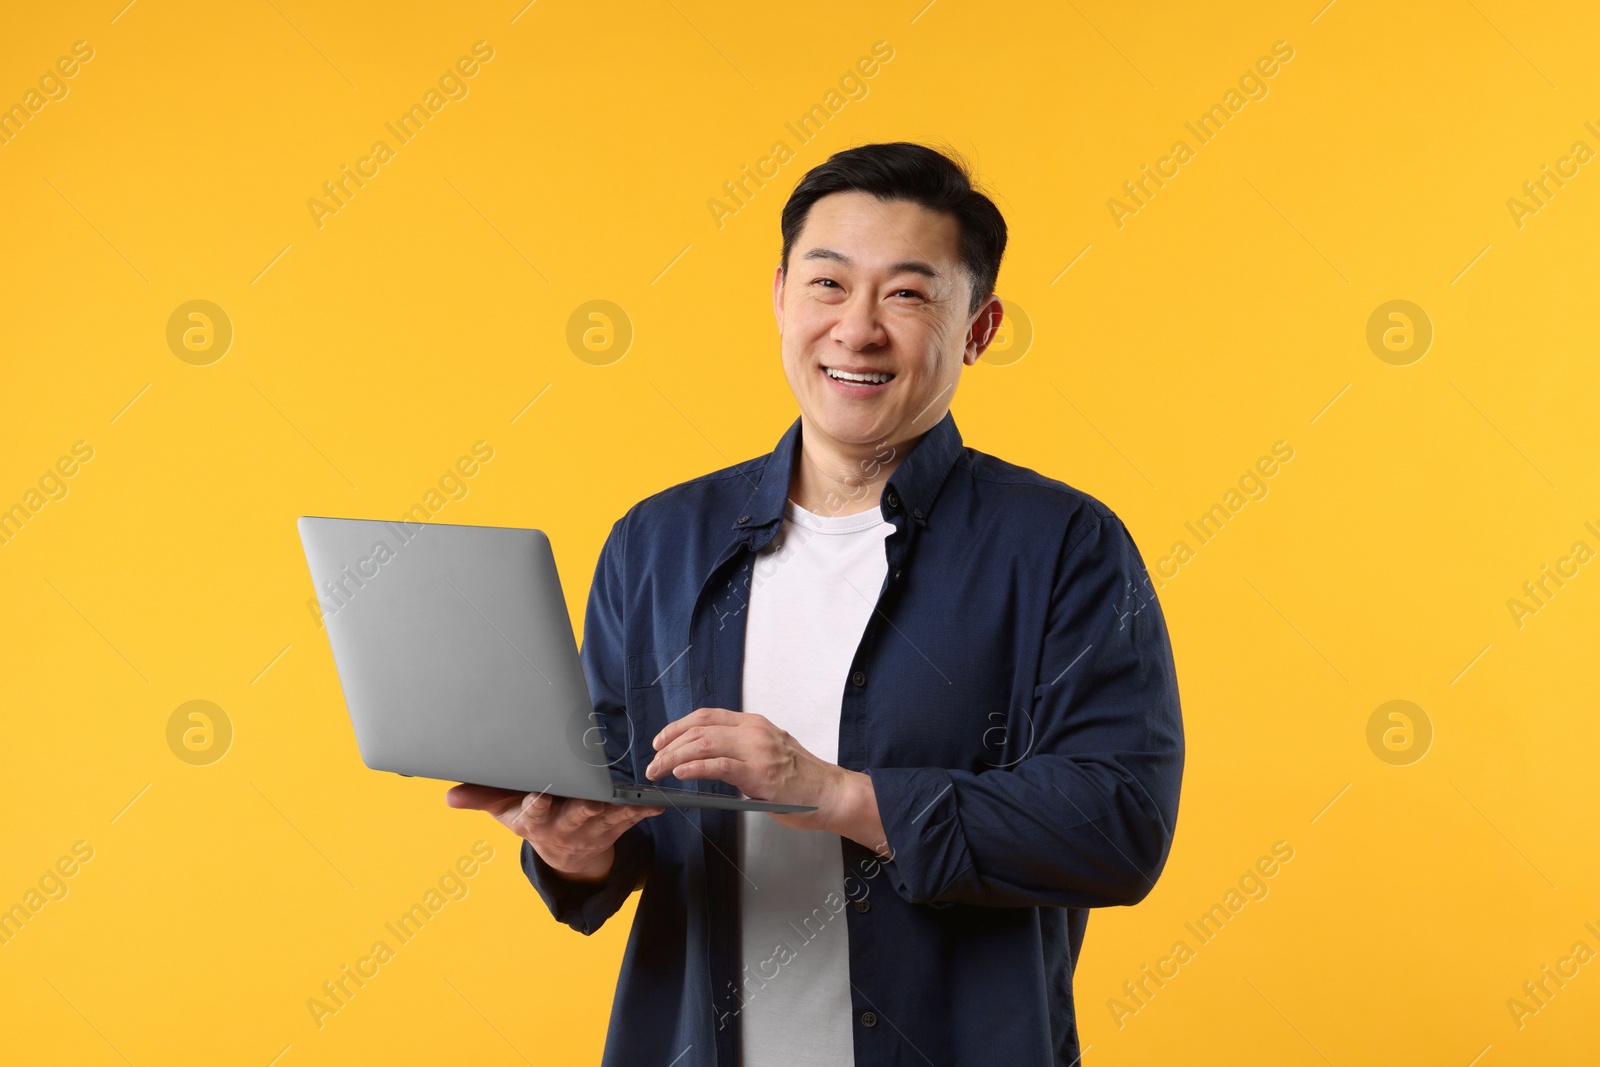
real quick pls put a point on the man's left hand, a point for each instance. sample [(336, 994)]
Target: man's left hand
[(763, 762)]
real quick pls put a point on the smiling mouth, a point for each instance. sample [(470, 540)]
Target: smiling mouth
[(865, 379)]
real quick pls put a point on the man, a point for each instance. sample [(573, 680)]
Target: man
[(960, 662)]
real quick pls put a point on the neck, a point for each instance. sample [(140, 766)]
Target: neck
[(834, 477)]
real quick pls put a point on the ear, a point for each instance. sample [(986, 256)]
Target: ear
[(981, 331), (777, 297)]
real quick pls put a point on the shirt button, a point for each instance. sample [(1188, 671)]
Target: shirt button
[(858, 678), (898, 574), (863, 905), (894, 501), (743, 519), (917, 512), (869, 1018)]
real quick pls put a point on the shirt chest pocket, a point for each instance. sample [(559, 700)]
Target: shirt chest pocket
[(659, 688)]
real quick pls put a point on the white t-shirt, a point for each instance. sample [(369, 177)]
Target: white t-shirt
[(812, 592)]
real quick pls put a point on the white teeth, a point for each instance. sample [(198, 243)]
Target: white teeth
[(875, 377)]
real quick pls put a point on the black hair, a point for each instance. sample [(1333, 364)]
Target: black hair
[(925, 176)]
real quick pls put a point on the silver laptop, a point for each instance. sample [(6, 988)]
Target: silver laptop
[(458, 661)]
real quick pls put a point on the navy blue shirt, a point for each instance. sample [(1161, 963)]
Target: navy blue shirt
[(1013, 699)]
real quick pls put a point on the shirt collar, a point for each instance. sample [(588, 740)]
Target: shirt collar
[(910, 492)]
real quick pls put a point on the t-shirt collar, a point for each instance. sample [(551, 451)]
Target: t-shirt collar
[(911, 489)]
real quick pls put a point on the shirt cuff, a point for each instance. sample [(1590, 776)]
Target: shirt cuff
[(922, 823), (586, 906)]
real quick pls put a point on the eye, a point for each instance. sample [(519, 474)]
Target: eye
[(911, 292), (828, 281)]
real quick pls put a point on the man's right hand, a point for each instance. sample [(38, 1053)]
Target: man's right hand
[(577, 838)]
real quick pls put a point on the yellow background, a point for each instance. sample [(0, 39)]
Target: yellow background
[(429, 312)]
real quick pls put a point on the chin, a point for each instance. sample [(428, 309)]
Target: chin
[(856, 428)]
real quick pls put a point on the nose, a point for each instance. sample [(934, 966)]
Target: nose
[(859, 327)]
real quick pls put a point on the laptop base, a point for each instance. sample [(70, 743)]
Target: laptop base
[(661, 797)]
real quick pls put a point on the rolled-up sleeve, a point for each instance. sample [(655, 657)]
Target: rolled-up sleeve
[(1086, 818), (586, 906)]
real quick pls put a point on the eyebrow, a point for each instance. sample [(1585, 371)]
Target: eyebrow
[(906, 266)]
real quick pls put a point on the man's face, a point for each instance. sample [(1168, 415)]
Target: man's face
[(876, 289)]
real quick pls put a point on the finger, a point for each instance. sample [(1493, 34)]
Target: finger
[(480, 797), (539, 807), (619, 817), (626, 816), (638, 815), (677, 744), (575, 814), (703, 743), (709, 741), (698, 717), (721, 768), (535, 813)]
